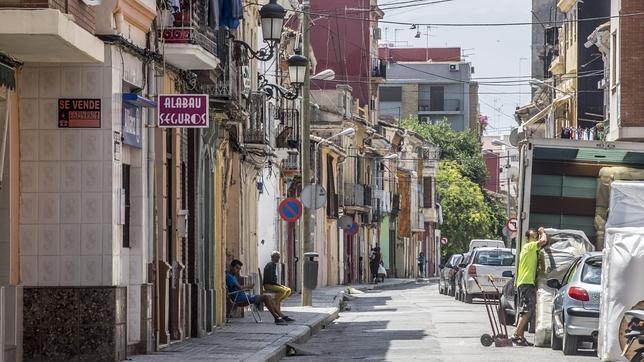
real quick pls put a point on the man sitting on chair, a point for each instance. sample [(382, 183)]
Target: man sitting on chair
[(272, 286), (240, 297)]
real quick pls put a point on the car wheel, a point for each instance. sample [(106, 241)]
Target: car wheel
[(467, 297), (570, 343), (452, 290), (556, 343)]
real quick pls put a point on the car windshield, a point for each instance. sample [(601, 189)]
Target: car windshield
[(592, 272), (494, 258)]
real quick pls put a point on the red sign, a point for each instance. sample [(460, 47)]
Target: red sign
[(79, 113), (290, 209), (512, 225), (183, 110), (443, 241)]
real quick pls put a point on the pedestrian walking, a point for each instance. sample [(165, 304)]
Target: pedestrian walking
[(421, 264), (525, 282), (374, 263)]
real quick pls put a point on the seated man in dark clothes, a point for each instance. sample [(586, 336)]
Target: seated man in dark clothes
[(241, 297), (272, 286)]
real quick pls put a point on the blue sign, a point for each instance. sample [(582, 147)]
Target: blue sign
[(290, 209), (353, 229)]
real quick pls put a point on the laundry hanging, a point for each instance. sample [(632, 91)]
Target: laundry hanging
[(230, 13), (213, 13)]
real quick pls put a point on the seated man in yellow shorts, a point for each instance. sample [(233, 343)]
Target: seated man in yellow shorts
[(272, 286)]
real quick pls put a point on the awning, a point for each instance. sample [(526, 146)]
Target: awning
[(137, 100), (544, 112)]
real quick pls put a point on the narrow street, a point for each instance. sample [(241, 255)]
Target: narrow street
[(415, 323)]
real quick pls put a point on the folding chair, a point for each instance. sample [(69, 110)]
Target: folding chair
[(243, 302)]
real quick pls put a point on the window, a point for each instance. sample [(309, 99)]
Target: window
[(390, 94), (437, 99), (592, 272), (494, 258), (126, 205), (428, 193)]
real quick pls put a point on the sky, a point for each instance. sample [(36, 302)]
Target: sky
[(493, 51)]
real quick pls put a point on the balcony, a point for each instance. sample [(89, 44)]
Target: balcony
[(447, 106), (257, 131), (291, 165), (395, 204), (357, 196), (226, 87), (288, 131), (190, 44), (378, 68), (50, 31)]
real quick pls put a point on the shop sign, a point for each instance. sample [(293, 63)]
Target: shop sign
[(132, 125), (183, 110), (79, 113), (117, 146)]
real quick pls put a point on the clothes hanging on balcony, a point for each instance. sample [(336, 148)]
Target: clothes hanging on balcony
[(213, 13), (175, 5), (230, 12)]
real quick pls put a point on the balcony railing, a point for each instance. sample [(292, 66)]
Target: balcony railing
[(190, 26), (395, 204), (378, 68), (357, 195), (291, 164), (288, 131), (83, 15), (368, 196), (257, 131), (448, 105)]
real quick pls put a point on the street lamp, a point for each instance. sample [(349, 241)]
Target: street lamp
[(296, 71), (272, 19)]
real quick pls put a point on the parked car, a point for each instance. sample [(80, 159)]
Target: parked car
[(575, 307), (485, 243), (508, 302), (484, 262), (448, 273), (458, 277)]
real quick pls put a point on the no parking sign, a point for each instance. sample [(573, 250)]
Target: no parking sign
[(290, 209)]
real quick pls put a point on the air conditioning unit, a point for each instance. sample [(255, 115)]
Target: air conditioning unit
[(453, 67), (425, 119), (377, 33)]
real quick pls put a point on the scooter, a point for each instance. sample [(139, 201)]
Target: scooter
[(635, 332)]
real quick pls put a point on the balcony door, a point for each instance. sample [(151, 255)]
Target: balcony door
[(436, 99)]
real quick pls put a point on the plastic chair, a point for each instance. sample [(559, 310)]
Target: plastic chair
[(245, 302)]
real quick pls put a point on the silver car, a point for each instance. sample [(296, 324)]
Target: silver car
[(575, 308)]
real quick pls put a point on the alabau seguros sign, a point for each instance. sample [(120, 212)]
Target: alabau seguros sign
[(183, 110)]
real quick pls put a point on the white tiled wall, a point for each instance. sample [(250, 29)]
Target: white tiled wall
[(69, 183)]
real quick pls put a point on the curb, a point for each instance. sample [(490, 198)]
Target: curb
[(276, 353)]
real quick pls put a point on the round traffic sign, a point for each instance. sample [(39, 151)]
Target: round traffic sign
[(313, 196), (443, 241), (290, 209), (353, 229), (512, 224)]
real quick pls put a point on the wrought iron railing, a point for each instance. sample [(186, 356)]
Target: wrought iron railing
[(288, 130), (189, 25), (82, 14), (257, 131)]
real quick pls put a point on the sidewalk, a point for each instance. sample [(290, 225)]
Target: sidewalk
[(244, 340)]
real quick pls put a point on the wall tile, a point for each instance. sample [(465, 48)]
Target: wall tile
[(71, 82), (48, 240), (106, 113), (134, 299), (29, 145), (48, 118), (48, 176), (92, 145), (108, 145), (28, 176), (29, 113), (71, 176), (107, 176), (136, 272), (136, 181), (48, 208), (91, 270), (70, 239), (92, 176), (109, 246), (71, 146), (29, 82), (107, 207), (49, 84), (91, 239), (28, 208), (28, 240), (70, 208), (136, 211), (70, 270), (136, 240), (49, 142), (29, 270), (123, 277), (92, 81), (48, 270), (91, 208), (109, 266)]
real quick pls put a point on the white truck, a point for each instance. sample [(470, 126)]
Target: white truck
[(565, 184)]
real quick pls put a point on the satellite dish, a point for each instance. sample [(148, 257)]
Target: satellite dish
[(514, 137)]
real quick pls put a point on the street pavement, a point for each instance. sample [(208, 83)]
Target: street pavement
[(415, 322), (245, 340)]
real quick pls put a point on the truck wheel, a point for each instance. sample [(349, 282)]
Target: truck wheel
[(555, 342), (570, 343)]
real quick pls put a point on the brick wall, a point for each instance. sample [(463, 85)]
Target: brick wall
[(631, 68)]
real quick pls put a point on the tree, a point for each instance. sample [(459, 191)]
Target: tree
[(469, 212)]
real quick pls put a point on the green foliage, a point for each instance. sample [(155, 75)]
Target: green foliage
[(469, 211)]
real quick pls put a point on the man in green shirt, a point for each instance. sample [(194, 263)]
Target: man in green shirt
[(525, 281)]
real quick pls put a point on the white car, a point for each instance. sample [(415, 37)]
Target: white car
[(484, 262), (486, 243)]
